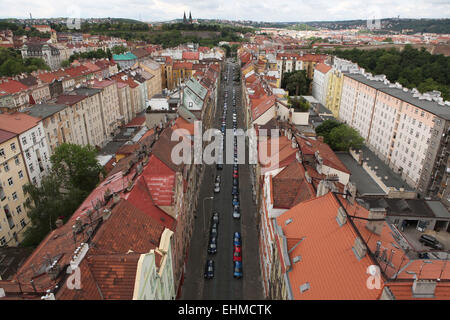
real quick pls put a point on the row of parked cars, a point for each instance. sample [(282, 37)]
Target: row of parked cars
[(214, 225)]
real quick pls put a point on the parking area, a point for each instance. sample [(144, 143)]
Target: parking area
[(412, 235)]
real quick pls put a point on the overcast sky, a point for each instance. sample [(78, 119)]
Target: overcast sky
[(256, 10)]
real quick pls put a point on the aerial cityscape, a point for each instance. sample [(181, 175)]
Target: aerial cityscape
[(212, 151)]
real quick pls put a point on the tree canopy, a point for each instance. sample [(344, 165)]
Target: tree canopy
[(413, 68), (339, 136), (74, 174), (296, 82), (11, 63)]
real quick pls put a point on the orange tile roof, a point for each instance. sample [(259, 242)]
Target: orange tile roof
[(322, 67), (17, 122), (261, 108), (403, 291), (327, 262)]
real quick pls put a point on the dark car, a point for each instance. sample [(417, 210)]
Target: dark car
[(235, 190), (212, 245), (209, 269), (219, 166), (235, 181), (237, 270), (430, 241)]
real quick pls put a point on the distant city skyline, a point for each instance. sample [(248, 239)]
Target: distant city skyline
[(261, 10)]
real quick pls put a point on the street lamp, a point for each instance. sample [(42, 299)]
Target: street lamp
[(204, 216)]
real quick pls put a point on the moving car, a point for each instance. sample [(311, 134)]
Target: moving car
[(430, 241), (209, 269), (237, 270)]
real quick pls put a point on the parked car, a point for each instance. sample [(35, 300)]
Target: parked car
[(235, 182), (209, 269), (235, 190), (430, 241), (236, 214), (235, 201), (237, 239), (216, 187), (219, 166), (237, 270), (214, 230), (237, 256), (215, 217), (212, 245)]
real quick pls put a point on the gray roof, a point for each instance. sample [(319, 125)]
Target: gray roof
[(197, 88), (363, 181), (45, 110), (87, 91), (417, 208), (439, 210), (430, 106), (383, 170)]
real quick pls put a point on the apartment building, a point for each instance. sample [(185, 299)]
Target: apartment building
[(320, 82), (406, 129), (13, 172), (47, 52), (85, 117), (32, 143), (55, 120)]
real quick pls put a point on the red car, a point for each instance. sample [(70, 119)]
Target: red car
[(237, 254)]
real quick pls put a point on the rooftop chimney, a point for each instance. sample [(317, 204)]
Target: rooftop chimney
[(341, 217), (359, 248), (423, 288), (376, 226)]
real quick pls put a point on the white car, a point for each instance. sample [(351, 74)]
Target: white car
[(216, 187)]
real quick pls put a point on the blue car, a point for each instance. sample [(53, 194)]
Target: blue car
[(237, 239), (237, 270)]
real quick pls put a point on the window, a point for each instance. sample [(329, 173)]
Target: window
[(2, 152), (13, 146), (10, 181), (24, 140), (34, 180), (14, 196), (22, 223), (6, 167), (27, 154), (19, 209), (2, 241)]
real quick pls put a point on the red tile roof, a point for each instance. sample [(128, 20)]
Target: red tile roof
[(327, 261), (6, 135), (136, 122), (189, 55), (182, 65), (160, 180), (9, 86), (17, 122), (259, 109), (322, 67), (290, 186)]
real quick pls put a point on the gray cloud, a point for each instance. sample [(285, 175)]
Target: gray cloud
[(257, 10)]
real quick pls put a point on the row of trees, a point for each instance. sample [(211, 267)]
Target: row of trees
[(339, 136), (410, 67), (11, 63), (74, 174)]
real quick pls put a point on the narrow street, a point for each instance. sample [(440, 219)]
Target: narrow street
[(224, 286)]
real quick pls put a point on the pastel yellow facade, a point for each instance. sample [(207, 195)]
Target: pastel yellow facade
[(13, 176), (334, 91)]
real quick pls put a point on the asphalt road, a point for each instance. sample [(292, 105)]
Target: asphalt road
[(224, 286)]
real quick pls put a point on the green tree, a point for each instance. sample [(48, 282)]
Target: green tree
[(295, 82), (77, 166), (299, 103), (65, 63), (325, 128), (343, 137)]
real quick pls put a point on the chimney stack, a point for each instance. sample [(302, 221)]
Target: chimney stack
[(376, 226)]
